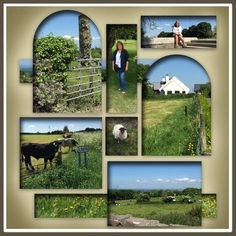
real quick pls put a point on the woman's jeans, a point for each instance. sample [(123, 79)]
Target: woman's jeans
[(121, 75)]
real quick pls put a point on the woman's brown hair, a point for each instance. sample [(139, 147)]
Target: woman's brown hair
[(176, 23), (119, 42)]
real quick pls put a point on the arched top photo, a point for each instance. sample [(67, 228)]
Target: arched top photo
[(182, 74), (67, 62)]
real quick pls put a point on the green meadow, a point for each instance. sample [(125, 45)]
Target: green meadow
[(69, 175)]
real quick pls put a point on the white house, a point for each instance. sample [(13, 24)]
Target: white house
[(170, 85)]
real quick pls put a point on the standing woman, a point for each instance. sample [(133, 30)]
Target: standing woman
[(177, 33), (120, 64)]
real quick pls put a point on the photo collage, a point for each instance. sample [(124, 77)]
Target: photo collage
[(123, 119)]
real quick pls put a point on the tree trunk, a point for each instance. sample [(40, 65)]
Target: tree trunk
[(85, 39), (85, 44)]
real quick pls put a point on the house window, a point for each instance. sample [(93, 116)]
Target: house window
[(183, 91), (176, 92), (169, 92)]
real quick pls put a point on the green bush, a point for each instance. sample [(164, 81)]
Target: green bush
[(142, 197), (52, 56)]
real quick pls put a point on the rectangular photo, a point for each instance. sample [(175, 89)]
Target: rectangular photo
[(121, 136), (26, 71), (178, 32), (176, 102), (209, 206), (121, 68), (154, 194), (60, 153), (70, 206)]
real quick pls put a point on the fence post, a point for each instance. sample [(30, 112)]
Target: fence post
[(186, 110), (202, 133)]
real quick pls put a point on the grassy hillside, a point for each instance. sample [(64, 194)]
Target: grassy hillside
[(166, 128), (156, 209), (116, 101), (69, 174)]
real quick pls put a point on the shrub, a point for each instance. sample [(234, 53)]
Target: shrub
[(169, 199), (142, 197), (52, 56)]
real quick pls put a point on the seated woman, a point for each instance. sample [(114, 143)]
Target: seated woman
[(178, 37)]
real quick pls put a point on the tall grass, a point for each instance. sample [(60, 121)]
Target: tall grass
[(70, 206), (206, 110), (176, 134), (70, 174), (209, 206)]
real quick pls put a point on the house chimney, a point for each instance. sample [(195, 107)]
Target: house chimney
[(167, 78)]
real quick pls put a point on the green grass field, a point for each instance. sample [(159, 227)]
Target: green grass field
[(70, 206), (116, 101), (69, 174), (128, 146), (167, 213), (167, 130)]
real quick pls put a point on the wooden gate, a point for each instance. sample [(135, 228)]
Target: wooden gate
[(86, 79)]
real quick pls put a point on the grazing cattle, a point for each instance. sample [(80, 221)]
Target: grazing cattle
[(37, 150), (119, 132), (68, 142)]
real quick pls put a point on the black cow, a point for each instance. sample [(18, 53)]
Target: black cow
[(37, 150)]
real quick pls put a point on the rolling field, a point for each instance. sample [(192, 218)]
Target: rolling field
[(128, 146), (70, 206), (167, 130), (69, 174), (168, 213), (116, 101)]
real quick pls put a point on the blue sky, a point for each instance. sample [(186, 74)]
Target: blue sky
[(44, 125), (165, 23), (26, 65), (65, 24), (184, 68), (154, 175)]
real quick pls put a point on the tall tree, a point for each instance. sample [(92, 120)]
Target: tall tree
[(66, 129)]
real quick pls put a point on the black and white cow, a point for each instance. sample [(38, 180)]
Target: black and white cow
[(37, 150)]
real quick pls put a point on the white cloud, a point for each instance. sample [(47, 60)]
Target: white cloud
[(187, 180), (182, 179), (71, 125), (159, 28), (67, 36), (31, 126), (161, 180), (141, 181), (167, 24)]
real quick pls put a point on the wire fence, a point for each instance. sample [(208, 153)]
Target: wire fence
[(87, 80)]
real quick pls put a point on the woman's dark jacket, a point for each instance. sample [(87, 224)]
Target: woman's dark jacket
[(124, 58)]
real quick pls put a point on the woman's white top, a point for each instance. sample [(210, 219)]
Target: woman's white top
[(177, 30), (118, 59)]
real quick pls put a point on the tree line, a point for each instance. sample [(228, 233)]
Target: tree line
[(125, 194), (201, 31)]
